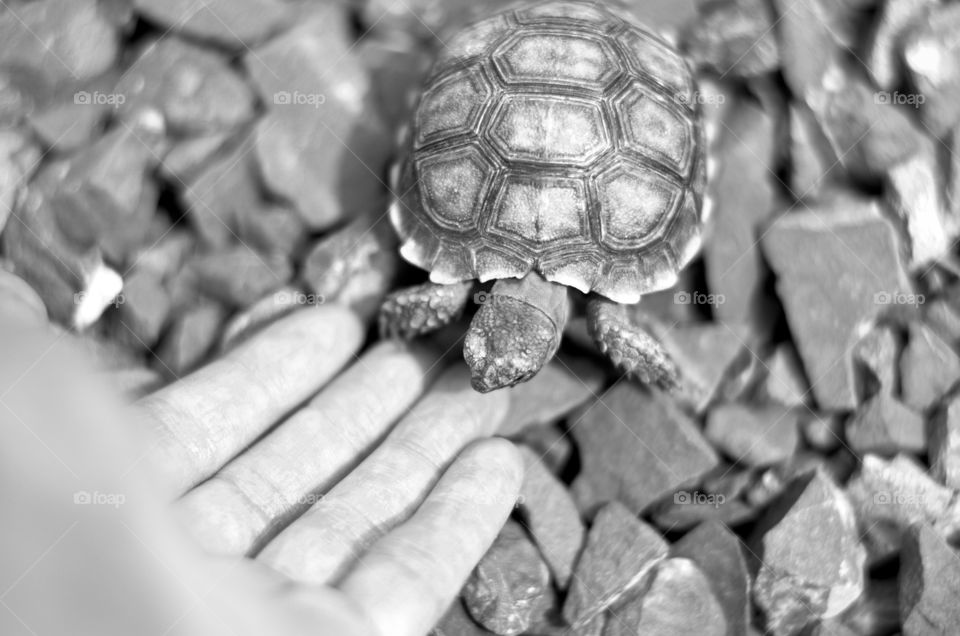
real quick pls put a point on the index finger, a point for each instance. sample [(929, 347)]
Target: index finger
[(203, 420)]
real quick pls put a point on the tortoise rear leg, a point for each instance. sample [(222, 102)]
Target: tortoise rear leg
[(515, 332), (630, 348), (421, 309)]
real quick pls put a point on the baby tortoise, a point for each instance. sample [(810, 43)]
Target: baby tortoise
[(555, 146)]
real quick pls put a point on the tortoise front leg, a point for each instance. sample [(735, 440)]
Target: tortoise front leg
[(421, 309), (516, 331), (629, 347)]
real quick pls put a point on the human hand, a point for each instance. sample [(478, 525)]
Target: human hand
[(393, 519)]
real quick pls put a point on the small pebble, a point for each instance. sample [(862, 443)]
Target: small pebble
[(928, 368)]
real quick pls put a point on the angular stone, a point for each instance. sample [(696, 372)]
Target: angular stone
[(754, 435), (710, 355), (559, 388), (943, 319), (875, 359), (143, 310), (929, 584), (238, 276), (165, 256), (190, 337), (813, 161), (928, 368), (73, 281), (509, 583), (885, 426), (784, 381), (187, 158), (719, 555), (271, 229), (808, 47), (60, 40), (232, 23), (321, 144), (398, 71), (687, 510), (945, 444), (827, 298), (898, 493), (867, 132), (735, 38), (552, 445), (679, 601), (221, 193), (619, 555), (812, 562), (68, 126), (355, 265), (192, 87), (430, 20), (551, 517), (637, 446), (884, 45), (930, 54), (736, 273), (915, 192)]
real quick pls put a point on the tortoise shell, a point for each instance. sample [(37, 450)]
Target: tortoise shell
[(561, 137)]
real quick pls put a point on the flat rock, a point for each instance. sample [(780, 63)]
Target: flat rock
[(943, 319), (191, 336), (868, 133), (931, 53), (188, 157), (784, 381), (755, 435), (719, 555), (232, 23), (637, 446), (736, 273), (807, 44), (915, 192), (457, 622), (507, 586), (67, 125), (929, 584), (884, 44), (710, 356), (876, 359), (680, 601), (928, 368), (559, 388), (898, 493), (945, 444), (551, 517), (826, 299), (812, 562), (687, 510), (354, 266), (619, 555), (885, 426), (144, 309), (194, 88), (61, 40), (735, 38), (239, 276), (271, 229), (322, 143)]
